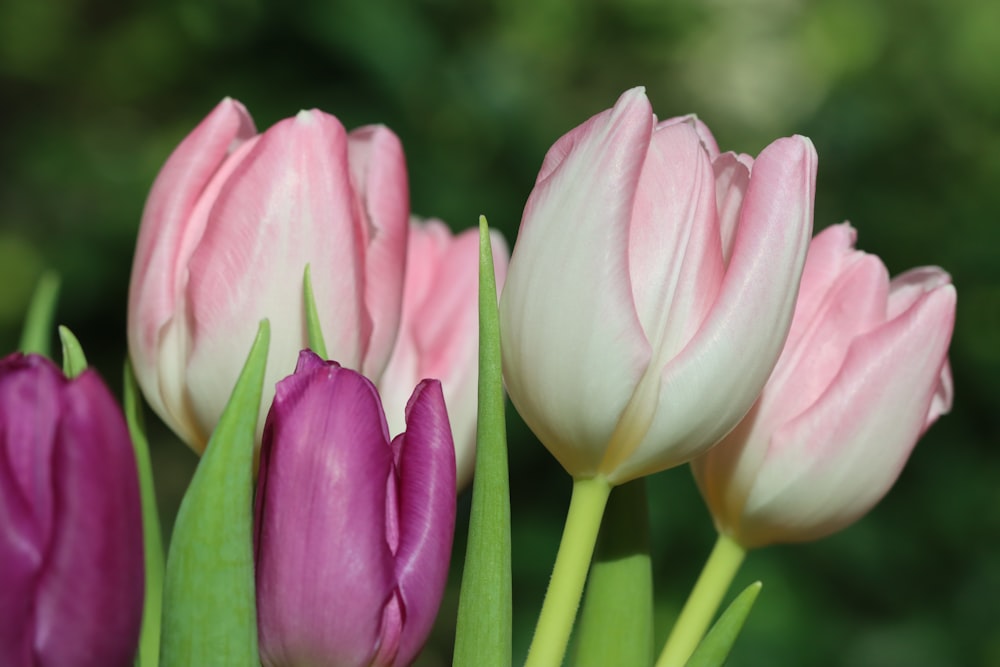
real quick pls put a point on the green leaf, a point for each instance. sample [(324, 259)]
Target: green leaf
[(616, 622), (483, 631), (37, 334), (209, 610), (74, 361), (315, 332), (715, 647), (149, 639)]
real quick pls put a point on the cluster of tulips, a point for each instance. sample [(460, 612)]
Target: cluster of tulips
[(336, 360)]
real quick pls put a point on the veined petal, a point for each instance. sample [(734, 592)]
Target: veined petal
[(89, 600), (829, 466), (757, 297), (426, 514), (166, 239), (568, 290), (289, 203), (378, 171), (321, 513)]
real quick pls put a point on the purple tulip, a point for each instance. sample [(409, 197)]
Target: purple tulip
[(71, 559), (353, 531)]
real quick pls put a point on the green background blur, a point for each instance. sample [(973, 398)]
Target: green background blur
[(900, 97)]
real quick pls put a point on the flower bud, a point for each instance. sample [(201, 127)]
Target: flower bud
[(650, 289), (71, 552), (353, 532), (863, 374)]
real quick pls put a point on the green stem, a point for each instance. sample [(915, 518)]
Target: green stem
[(723, 563), (583, 521)]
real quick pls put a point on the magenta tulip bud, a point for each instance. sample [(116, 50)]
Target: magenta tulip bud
[(439, 329), (231, 222), (71, 554), (864, 373), (353, 531), (651, 288)]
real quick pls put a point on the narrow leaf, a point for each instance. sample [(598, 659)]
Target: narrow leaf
[(483, 632), (74, 361), (209, 606), (37, 334), (149, 639), (715, 647), (313, 329), (616, 623)]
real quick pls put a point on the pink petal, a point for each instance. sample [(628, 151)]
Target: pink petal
[(568, 288), (289, 203), (712, 383), (833, 463), (378, 172)]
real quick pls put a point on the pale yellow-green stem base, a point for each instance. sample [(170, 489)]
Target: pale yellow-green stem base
[(703, 603), (555, 622)]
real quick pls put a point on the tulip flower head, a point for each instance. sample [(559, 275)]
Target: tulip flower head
[(71, 552), (863, 374), (439, 329), (651, 287), (231, 222), (353, 532)]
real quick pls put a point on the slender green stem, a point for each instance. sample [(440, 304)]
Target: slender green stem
[(723, 563), (583, 521)]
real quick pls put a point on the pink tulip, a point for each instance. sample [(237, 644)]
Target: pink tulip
[(439, 329), (71, 553), (651, 288), (353, 532), (230, 224), (864, 373)]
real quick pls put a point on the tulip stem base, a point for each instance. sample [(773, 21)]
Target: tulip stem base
[(555, 622), (717, 575)]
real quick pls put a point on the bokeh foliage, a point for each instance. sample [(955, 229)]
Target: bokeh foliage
[(901, 97)]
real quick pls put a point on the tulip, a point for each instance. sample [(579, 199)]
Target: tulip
[(439, 329), (864, 373), (230, 224), (650, 289), (71, 559), (353, 532)]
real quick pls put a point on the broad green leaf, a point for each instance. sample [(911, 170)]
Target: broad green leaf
[(209, 606), (37, 334), (483, 632), (313, 328), (74, 361), (149, 639), (616, 622), (715, 647)]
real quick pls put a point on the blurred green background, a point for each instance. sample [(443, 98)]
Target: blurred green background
[(901, 98)]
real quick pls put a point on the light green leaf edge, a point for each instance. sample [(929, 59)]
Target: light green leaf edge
[(37, 333), (149, 638), (616, 623), (313, 328), (483, 631), (209, 605), (74, 361), (717, 644)]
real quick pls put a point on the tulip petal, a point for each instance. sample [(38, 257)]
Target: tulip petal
[(439, 335), (426, 514), (568, 288), (325, 463), (98, 531), (378, 171), (732, 176), (289, 203), (830, 465), (754, 308), (165, 241)]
